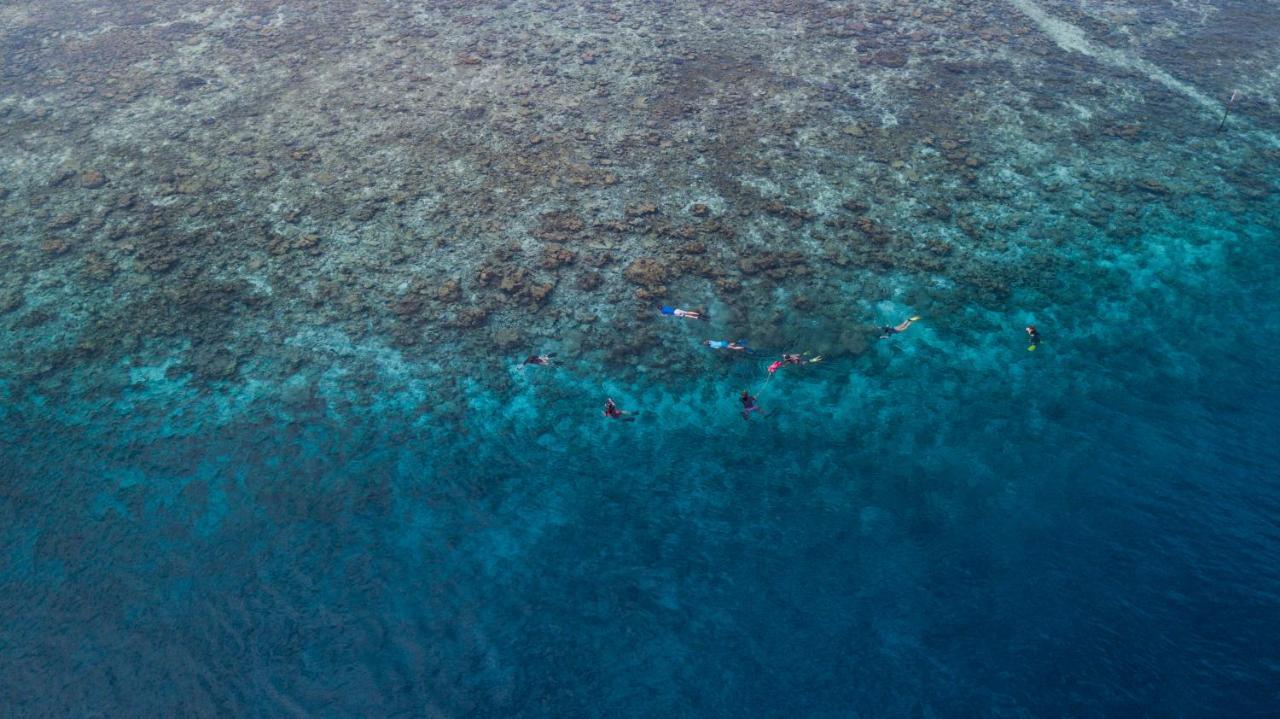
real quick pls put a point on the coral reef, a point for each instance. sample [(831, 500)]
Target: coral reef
[(505, 167)]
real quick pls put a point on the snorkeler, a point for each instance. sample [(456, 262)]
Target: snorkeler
[(612, 412), (792, 359), (886, 331), (687, 314), (540, 360), (1033, 336), (748, 404), (735, 345)]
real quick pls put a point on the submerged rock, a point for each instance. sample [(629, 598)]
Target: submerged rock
[(470, 317), (646, 272), (217, 363), (556, 255), (795, 215), (506, 338), (97, 267), (512, 279), (92, 179), (11, 300), (283, 244), (888, 58), (54, 246), (449, 291), (537, 294)]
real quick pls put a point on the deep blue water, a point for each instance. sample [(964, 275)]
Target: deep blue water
[(948, 526)]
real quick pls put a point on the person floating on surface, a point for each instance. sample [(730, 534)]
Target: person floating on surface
[(886, 331), (735, 345), (540, 360), (792, 359), (748, 404), (687, 314), (1033, 336), (612, 412)]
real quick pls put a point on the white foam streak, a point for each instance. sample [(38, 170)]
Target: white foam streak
[(1072, 39)]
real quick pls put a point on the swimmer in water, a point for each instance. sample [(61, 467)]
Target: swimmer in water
[(886, 331), (736, 346), (748, 405), (539, 360), (612, 412), (792, 359), (1033, 336), (670, 311)]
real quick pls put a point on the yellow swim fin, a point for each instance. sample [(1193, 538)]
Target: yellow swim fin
[(816, 359), (916, 318), (1032, 348)]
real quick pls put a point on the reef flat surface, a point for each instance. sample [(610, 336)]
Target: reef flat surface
[(269, 268)]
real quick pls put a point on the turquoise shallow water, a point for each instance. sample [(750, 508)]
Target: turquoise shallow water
[(265, 448)]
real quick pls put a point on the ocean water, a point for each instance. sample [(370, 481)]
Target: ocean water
[(270, 270)]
